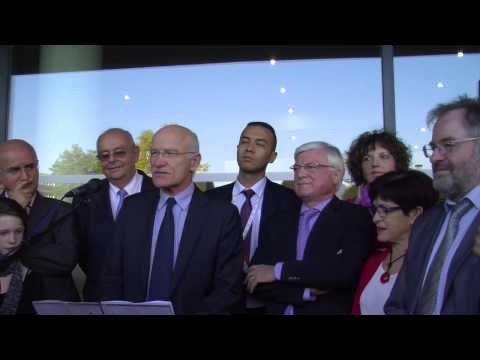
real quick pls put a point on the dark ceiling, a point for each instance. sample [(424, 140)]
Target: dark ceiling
[(26, 58)]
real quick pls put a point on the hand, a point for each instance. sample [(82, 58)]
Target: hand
[(22, 193), (258, 274), (476, 248), (317, 292)]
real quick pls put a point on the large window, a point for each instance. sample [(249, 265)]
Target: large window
[(62, 114), (422, 82)]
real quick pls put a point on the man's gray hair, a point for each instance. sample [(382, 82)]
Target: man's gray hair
[(116, 131), (193, 136), (334, 156), (19, 142), (472, 113)]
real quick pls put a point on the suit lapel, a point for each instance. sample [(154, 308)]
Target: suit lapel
[(37, 212), (426, 241), (463, 252), (268, 207), (191, 232), (287, 234), (227, 192), (105, 205), (146, 238), (326, 220)]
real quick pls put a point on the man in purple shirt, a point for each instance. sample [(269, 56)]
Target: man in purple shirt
[(311, 257)]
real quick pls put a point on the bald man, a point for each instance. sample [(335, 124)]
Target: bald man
[(50, 249), (177, 244), (117, 154)]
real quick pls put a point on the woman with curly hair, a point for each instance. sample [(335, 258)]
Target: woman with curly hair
[(371, 155)]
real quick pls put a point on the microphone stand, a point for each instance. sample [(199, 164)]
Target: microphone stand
[(53, 224)]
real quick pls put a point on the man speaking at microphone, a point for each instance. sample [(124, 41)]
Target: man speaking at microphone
[(50, 247), (98, 210), (176, 244)]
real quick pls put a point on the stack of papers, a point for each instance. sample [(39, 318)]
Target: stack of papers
[(57, 307)]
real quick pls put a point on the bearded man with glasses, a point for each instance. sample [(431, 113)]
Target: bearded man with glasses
[(441, 273)]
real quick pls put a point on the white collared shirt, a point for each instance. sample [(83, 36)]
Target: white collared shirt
[(133, 187), (238, 200)]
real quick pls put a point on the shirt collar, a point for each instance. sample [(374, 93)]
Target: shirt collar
[(473, 195), (130, 187), (259, 187), (30, 204), (320, 206), (183, 198)]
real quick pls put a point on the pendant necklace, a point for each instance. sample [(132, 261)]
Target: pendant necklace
[(386, 275)]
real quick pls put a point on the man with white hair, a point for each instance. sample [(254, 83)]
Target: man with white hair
[(311, 257), (175, 243)]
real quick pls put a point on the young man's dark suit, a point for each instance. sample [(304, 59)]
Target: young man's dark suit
[(96, 229), (207, 277), (50, 250), (338, 246), (276, 199)]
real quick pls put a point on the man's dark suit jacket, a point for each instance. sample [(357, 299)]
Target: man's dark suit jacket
[(96, 227), (51, 250), (276, 199), (207, 277), (336, 250), (462, 292)]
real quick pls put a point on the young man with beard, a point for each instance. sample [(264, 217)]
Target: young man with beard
[(441, 273), (257, 198)]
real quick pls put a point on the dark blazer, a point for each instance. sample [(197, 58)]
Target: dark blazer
[(52, 254), (462, 292), (276, 199), (95, 226), (207, 277), (336, 251)]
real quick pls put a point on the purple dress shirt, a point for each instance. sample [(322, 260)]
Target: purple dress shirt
[(308, 217)]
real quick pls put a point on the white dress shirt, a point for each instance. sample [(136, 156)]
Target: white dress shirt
[(257, 201), (133, 187)]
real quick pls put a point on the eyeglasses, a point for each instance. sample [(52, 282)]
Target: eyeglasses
[(446, 147), (383, 211), (17, 170), (168, 154), (118, 154), (310, 167), (382, 156)]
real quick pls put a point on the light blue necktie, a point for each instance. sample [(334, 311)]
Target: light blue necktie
[(428, 298), (122, 194)]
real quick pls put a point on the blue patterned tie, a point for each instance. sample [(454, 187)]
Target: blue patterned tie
[(162, 267), (428, 298)]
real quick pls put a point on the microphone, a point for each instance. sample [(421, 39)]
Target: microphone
[(92, 186)]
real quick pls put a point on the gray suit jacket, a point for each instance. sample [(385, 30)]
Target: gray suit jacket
[(462, 293)]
